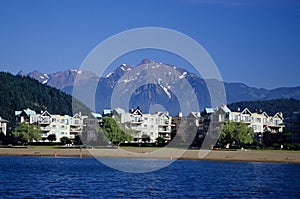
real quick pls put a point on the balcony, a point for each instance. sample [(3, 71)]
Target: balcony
[(47, 128), (44, 121), (163, 123), (136, 121), (164, 130), (79, 129), (76, 124), (275, 125)]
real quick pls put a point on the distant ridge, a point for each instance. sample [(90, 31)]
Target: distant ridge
[(271, 107), (20, 92), (235, 92)]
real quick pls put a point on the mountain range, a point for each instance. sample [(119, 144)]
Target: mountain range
[(151, 94)]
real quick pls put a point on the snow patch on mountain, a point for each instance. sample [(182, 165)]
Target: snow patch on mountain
[(183, 75), (166, 91), (109, 74)]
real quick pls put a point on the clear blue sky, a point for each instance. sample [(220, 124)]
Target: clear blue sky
[(256, 42)]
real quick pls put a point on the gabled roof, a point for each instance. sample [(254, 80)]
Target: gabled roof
[(96, 115), (193, 114), (163, 114), (25, 111), (46, 113), (106, 111), (137, 112), (209, 110), (119, 111), (265, 114), (29, 112), (226, 109), (246, 111), (278, 115), (77, 116), (17, 113), (3, 120)]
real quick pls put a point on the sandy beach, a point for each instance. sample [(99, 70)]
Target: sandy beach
[(239, 155)]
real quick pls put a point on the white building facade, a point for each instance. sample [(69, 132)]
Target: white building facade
[(259, 122), (3, 125), (50, 124), (145, 127)]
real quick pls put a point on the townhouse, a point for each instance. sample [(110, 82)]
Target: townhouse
[(259, 122), (144, 127), (53, 124)]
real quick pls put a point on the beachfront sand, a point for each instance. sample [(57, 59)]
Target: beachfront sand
[(239, 155)]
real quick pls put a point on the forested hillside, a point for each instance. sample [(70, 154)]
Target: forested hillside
[(18, 93), (271, 107)]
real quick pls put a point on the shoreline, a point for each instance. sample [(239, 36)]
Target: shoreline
[(292, 157)]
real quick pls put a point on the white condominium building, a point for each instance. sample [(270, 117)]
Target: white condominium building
[(259, 122), (58, 125), (144, 127)]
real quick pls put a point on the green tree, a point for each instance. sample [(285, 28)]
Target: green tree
[(27, 133), (51, 137), (239, 133), (65, 140), (113, 132), (160, 140)]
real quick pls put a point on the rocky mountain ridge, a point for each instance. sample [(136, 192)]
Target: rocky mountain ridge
[(147, 95)]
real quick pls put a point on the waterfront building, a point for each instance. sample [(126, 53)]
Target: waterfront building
[(92, 124), (3, 125), (51, 124), (213, 120), (144, 127), (260, 122), (293, 127), (187, 128)]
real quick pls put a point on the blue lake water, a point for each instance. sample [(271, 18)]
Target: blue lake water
[(49, 177)]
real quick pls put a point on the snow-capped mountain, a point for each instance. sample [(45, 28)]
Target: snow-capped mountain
[(62, 79), (148, 94), (41, 77)]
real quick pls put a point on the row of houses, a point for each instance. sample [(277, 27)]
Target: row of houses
[(144, 127), (259, 122), (161, 124), (148, 127), (53, 124)]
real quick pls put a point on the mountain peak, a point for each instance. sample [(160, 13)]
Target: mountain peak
[(21, 73), (146, 61)]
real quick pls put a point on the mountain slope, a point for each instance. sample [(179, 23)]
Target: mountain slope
[(235, 92), (20, 92), (240, 92)]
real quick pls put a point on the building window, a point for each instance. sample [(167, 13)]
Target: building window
[(258, 127), (258, 120)]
